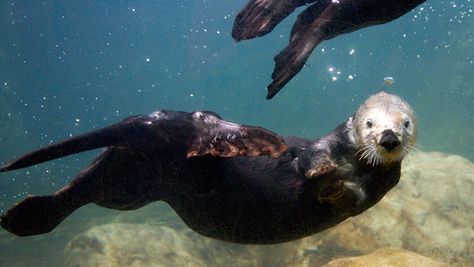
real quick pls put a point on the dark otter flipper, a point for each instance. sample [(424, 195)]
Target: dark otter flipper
[(41, 214), (259, 17), (321, 21), (200, 133), (304, 38), (226, 139), (35, 215), (121, 133)]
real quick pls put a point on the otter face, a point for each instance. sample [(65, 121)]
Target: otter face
[(384, 129)]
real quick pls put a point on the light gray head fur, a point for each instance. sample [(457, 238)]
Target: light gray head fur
[(381, 112)]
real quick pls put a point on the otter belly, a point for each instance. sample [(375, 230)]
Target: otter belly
[(255, 200)]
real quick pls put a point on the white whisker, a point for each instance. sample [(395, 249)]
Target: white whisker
[(366, 153), (361, 150), (412, 146), (372, 156)]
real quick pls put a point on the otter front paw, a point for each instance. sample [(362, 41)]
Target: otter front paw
[(321, 168)]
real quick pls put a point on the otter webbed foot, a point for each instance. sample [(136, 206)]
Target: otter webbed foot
[(259, 17), (306, 34), (321, 168), (315, 163), (199, 133), (35, 215), (226, 139)]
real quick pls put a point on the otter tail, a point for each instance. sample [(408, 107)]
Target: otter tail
[(117, 134), (37, 215)]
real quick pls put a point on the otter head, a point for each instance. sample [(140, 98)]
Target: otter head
[(384, 129)]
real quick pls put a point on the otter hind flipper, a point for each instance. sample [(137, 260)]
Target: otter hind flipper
[(226, 139), (304, 38), (35, 215), (259, 17), (209, 135), (122, 133), (327, 19)]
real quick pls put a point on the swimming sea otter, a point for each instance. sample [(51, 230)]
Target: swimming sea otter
[(228, 181)]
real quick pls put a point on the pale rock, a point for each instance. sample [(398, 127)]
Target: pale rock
[(387, 257), (134, 245)]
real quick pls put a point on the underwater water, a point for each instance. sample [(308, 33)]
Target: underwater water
[(67, 67)]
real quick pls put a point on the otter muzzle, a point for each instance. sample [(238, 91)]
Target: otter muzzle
[(389, 140)]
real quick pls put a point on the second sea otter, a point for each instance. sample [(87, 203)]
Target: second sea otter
[(320, 21)]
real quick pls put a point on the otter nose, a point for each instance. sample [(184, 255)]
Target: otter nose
[(389, 140)]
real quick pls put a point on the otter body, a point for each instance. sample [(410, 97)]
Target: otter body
[(264, 200), (226, 181)]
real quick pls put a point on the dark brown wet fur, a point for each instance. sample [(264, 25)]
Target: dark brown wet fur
[(227, 181)]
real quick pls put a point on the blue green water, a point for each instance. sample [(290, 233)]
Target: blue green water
[(70, 66)]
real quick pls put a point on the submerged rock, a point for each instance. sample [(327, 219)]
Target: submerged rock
[(429, 212), (131, 245), (387, 257), (137, 245)]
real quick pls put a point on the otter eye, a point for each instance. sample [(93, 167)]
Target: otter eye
[(369, 124), (406, 123)]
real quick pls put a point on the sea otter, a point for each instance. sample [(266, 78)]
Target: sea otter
[(228, 181), (321, 20)]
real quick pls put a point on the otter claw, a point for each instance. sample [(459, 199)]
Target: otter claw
[(321, 169)]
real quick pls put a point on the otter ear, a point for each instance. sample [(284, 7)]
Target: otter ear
[(350, 123), (226, 139), (350, 129)]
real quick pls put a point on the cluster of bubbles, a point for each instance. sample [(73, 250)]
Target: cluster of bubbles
[(336, 73)]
